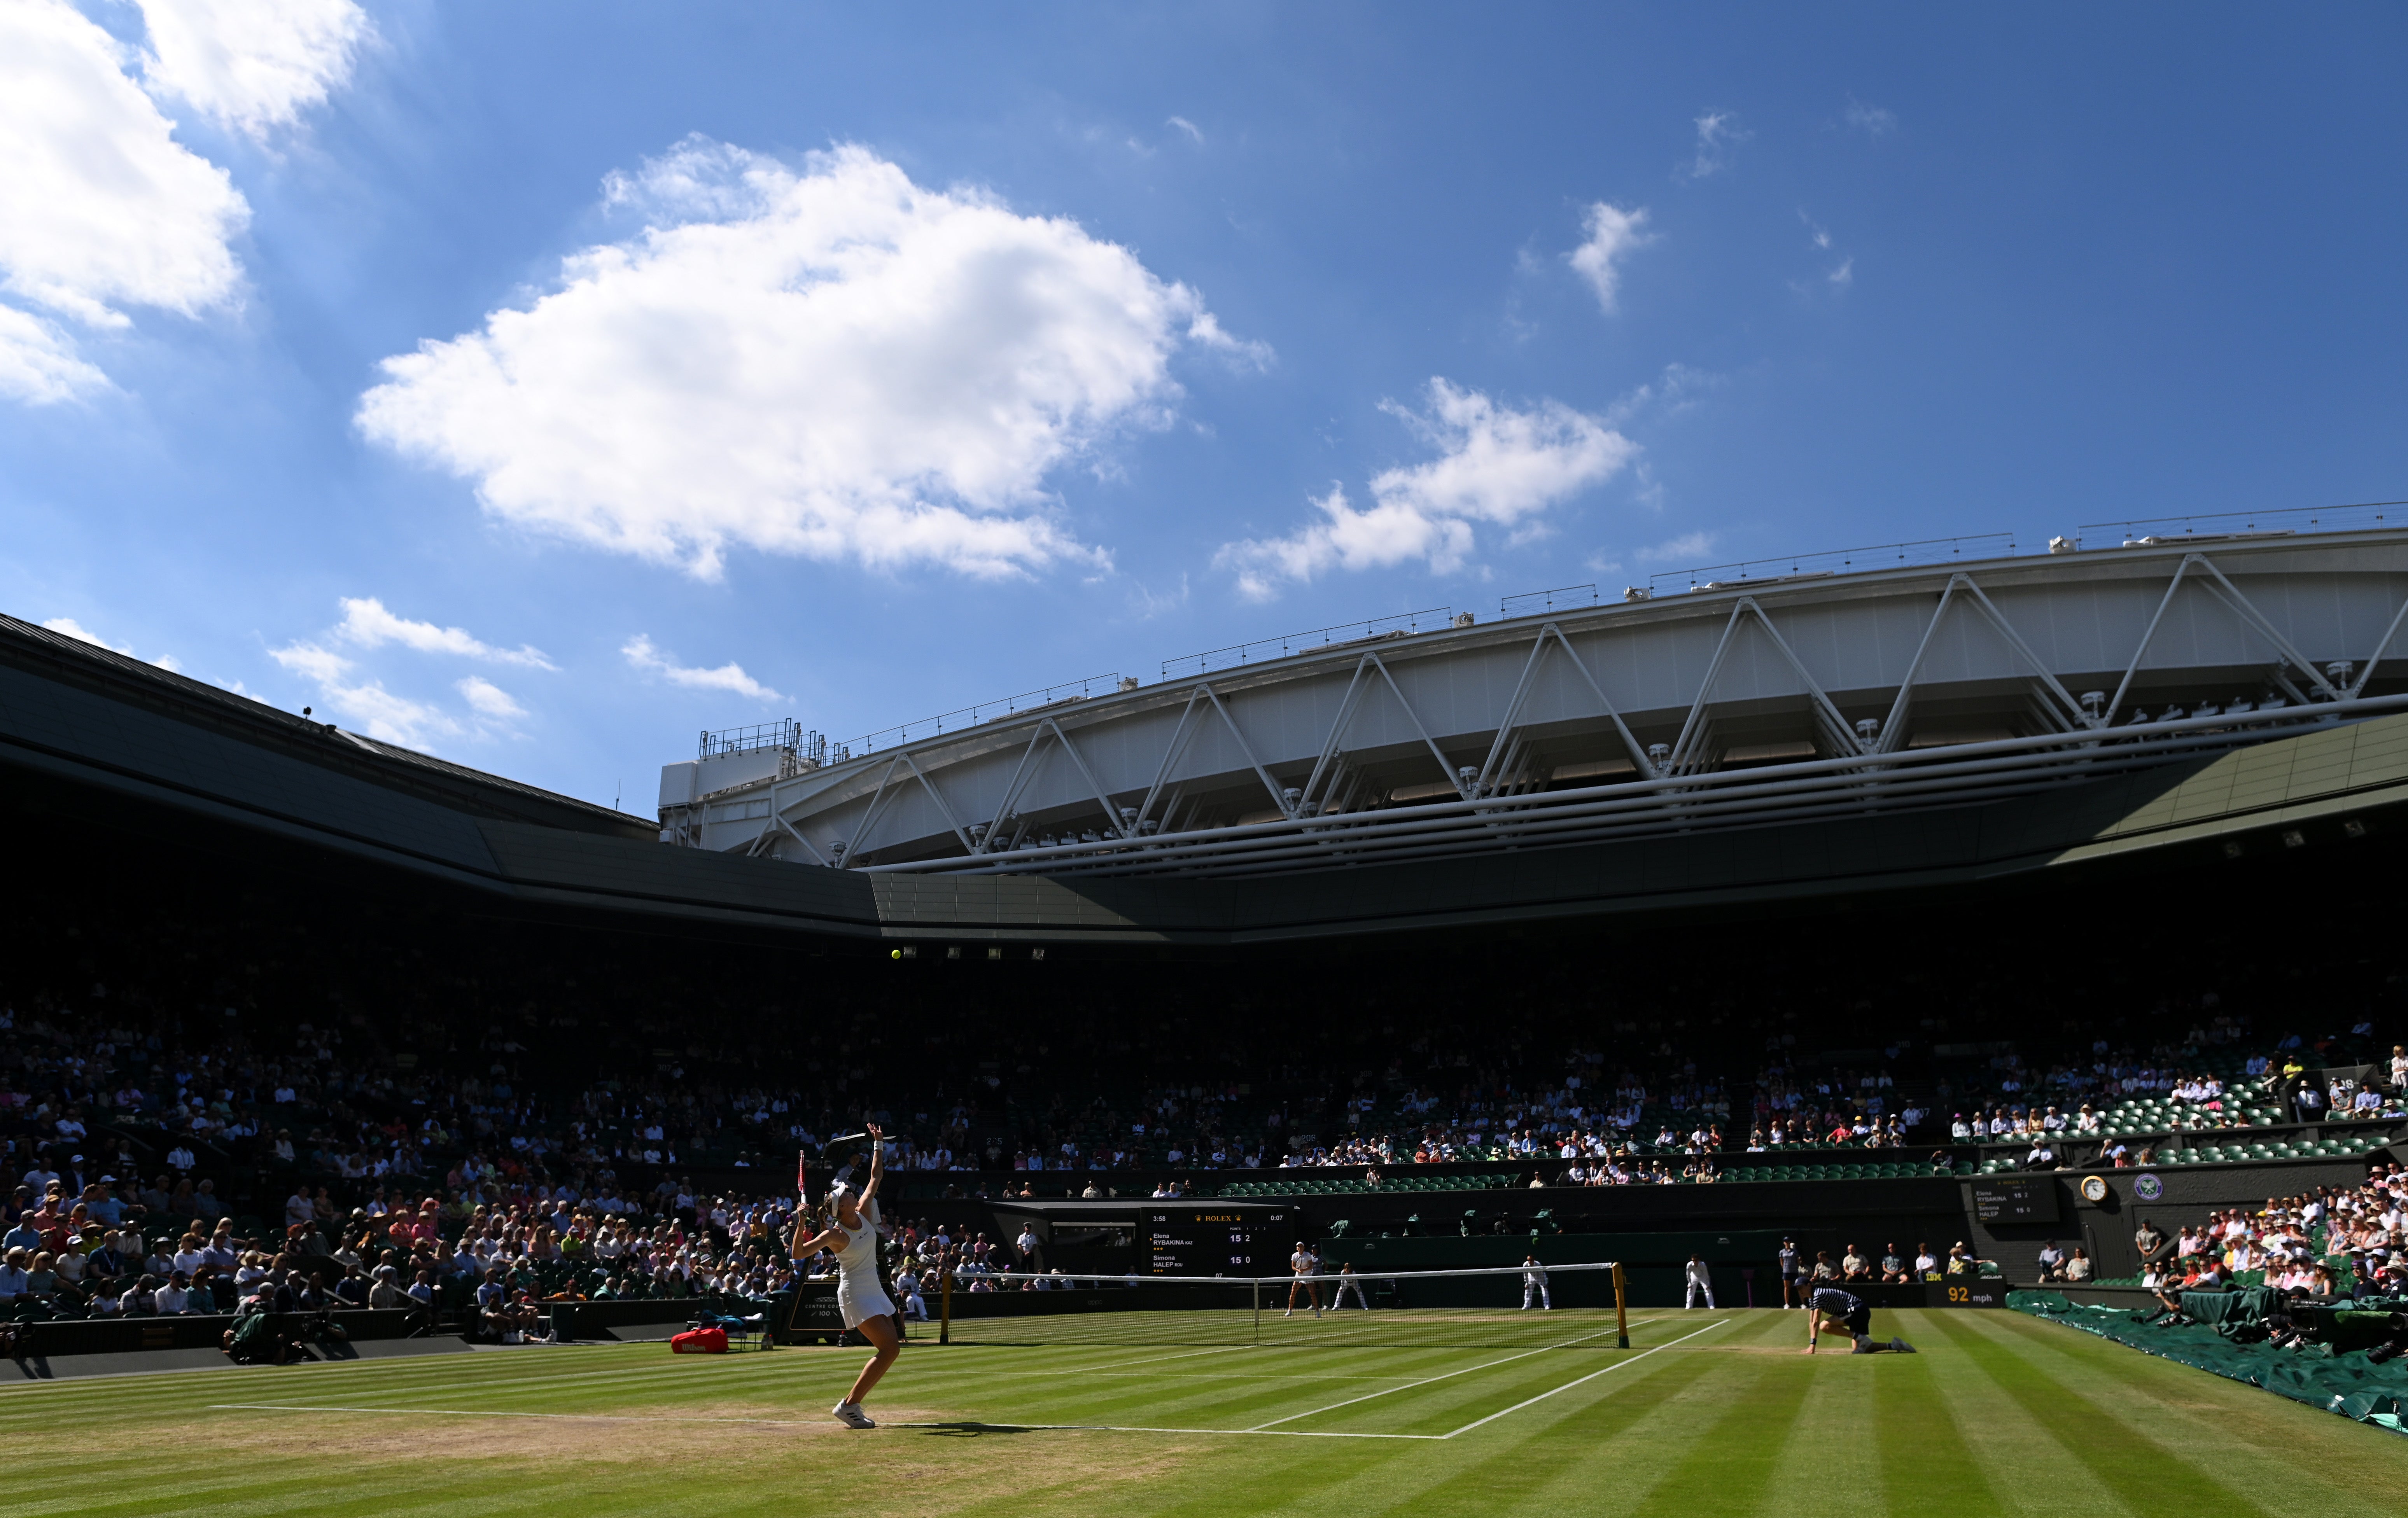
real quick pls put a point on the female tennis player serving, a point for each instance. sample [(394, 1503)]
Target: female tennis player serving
[(852, 1234)]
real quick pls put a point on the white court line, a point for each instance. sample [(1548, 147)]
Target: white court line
[(1432, 1380), (1591, 1376), (767, 1423), (1133, 1428), (1265, 1430), (473, 1413)]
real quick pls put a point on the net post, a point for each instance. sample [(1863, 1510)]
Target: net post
[(1621, 1310), (945, 1305), (1256, 1282)]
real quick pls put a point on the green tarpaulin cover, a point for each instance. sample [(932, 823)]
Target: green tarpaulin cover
[(2335, 1376)]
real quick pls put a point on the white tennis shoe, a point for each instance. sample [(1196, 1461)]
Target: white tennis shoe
[(851, 1415)]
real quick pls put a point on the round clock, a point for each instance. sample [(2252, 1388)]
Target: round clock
[(2094, 1188)]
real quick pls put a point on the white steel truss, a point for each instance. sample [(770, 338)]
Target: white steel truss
[(1862, 767)]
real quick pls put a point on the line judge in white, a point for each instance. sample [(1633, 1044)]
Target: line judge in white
[(1534, 1285)]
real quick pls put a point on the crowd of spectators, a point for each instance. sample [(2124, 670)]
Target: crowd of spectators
[(203, 1091), (2323, 1244), (493, 1256)]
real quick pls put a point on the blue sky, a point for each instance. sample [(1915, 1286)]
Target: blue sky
[(540, 385)]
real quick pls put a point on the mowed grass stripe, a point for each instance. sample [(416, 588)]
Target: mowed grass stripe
[(1445, 1407), (1551, 1355), (2142, 1473), (1223, 1403), (1738, 1432), (1584, 1447), (1412, 1478), (2008, 1441), (2249, 1438), (1299, 1475), (1043, 1392), (1921, 1441)]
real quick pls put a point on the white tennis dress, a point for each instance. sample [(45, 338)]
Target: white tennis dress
[(858, 1295)]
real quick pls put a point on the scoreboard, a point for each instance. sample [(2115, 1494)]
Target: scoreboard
[(1227, 1239), (2022, 1200)]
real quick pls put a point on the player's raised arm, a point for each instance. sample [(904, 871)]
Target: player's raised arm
[(877, 1162)]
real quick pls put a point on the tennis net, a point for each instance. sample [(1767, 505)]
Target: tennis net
[(1568, 1305)]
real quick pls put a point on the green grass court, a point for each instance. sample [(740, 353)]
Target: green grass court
[(1475, 1411)]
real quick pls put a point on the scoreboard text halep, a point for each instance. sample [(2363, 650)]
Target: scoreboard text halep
[(1217, 1240)]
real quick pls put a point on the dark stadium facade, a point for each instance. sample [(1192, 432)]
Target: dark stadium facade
[(1795, 743)]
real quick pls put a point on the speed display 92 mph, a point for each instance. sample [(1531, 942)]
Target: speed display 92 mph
[(1218, 1240)]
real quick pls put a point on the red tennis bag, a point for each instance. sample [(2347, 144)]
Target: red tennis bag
[(699, 1341)]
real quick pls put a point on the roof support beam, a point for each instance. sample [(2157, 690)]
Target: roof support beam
[(938, 797), (1508, 729), (1683, 758)]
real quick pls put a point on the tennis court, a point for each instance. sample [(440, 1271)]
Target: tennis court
[(1706, 1412)]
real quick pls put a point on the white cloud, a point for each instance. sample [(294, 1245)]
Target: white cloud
[(39, 362), (836, 363), (1871, 120), (1613, 233), (378, 711), (314, 662), (1839, 275), (488, 700), (373, 709), (1718, 132), (252, 65), (100, 208), (730, 675), (1195, 132), (74, 629), (367, 624), (1690, 547), (1495, 465), (1206, 331), (392, 718)]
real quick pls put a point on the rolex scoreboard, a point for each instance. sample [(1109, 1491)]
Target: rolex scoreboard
[(1217, 1239)]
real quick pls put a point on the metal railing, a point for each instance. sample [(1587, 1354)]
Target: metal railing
[(1288, 644), (779, 735), (1539, 603), (1748, 573), (983, 713), (2208, 527)]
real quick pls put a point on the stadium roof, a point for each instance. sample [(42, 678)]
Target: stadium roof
[(125, 680), (113, 747)]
